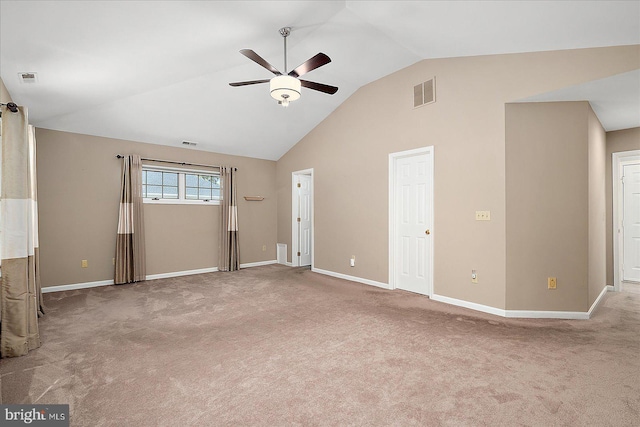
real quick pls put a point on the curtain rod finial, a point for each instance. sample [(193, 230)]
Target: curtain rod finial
[(11, 106)]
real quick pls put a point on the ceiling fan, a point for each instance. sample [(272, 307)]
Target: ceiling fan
[(286, 88)]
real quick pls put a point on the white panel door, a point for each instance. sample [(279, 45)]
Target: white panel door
[(413, 223), (631, 223), (304, 213)]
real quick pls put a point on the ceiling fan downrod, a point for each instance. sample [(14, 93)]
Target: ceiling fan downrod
[(284, 32)]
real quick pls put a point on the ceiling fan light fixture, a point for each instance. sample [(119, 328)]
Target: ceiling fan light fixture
[(285, 89)]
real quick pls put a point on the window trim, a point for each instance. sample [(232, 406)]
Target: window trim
[(181, 200)]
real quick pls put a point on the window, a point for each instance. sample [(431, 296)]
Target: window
[(202, 187), (159, 184), (180, 186)]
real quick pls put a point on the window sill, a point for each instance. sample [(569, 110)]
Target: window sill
[(181, 202)]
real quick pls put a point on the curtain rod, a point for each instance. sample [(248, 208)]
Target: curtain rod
[(11, 106), (119, 156)]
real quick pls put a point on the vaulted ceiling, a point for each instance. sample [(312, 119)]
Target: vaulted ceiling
[(158, 72)]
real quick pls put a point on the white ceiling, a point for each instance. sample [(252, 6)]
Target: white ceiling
[(615, 99), (158, 72)]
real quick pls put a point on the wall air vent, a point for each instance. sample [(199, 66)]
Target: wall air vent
[(28, 77), (191, 144), (424, 93)]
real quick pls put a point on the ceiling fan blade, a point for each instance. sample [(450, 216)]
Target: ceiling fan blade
[(319, 87), (310, 64), (260, 61), (252, 82)]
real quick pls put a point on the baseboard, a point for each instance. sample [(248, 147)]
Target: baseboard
[(570, 315), (517, 314), (75, 286), (470, 305), (537, 314), (181, 273), (351, 278), (86, 285), (258, 264), (599, 299), (522, 314), (530, 314), (205, 270)]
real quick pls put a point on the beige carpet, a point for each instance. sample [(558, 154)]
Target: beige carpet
[(280, 346)]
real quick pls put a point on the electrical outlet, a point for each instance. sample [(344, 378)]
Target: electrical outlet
[(552, 282), (264, 248), (352, 261), (113, 261), (85, 263), (483, 215), (474, 276)]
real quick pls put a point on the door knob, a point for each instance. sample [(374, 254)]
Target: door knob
[(427, 232)]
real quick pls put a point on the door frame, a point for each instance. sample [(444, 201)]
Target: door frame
[(393, 158), (295, 260), (619, 160)]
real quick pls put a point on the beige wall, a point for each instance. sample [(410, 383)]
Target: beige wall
[(78, 196), (349, 153), (617, 141), (547, 191), (597, 208), (4, 93)]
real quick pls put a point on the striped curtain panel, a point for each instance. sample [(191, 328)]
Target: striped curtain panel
[(130, 251), (229, 249), (20, 296)]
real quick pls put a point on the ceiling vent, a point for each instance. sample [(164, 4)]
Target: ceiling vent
[(424, 93), (28, 77), (191, 144)]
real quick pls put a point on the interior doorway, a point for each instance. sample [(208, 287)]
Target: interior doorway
[(626, 218), (411, 220), (302, 218)]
